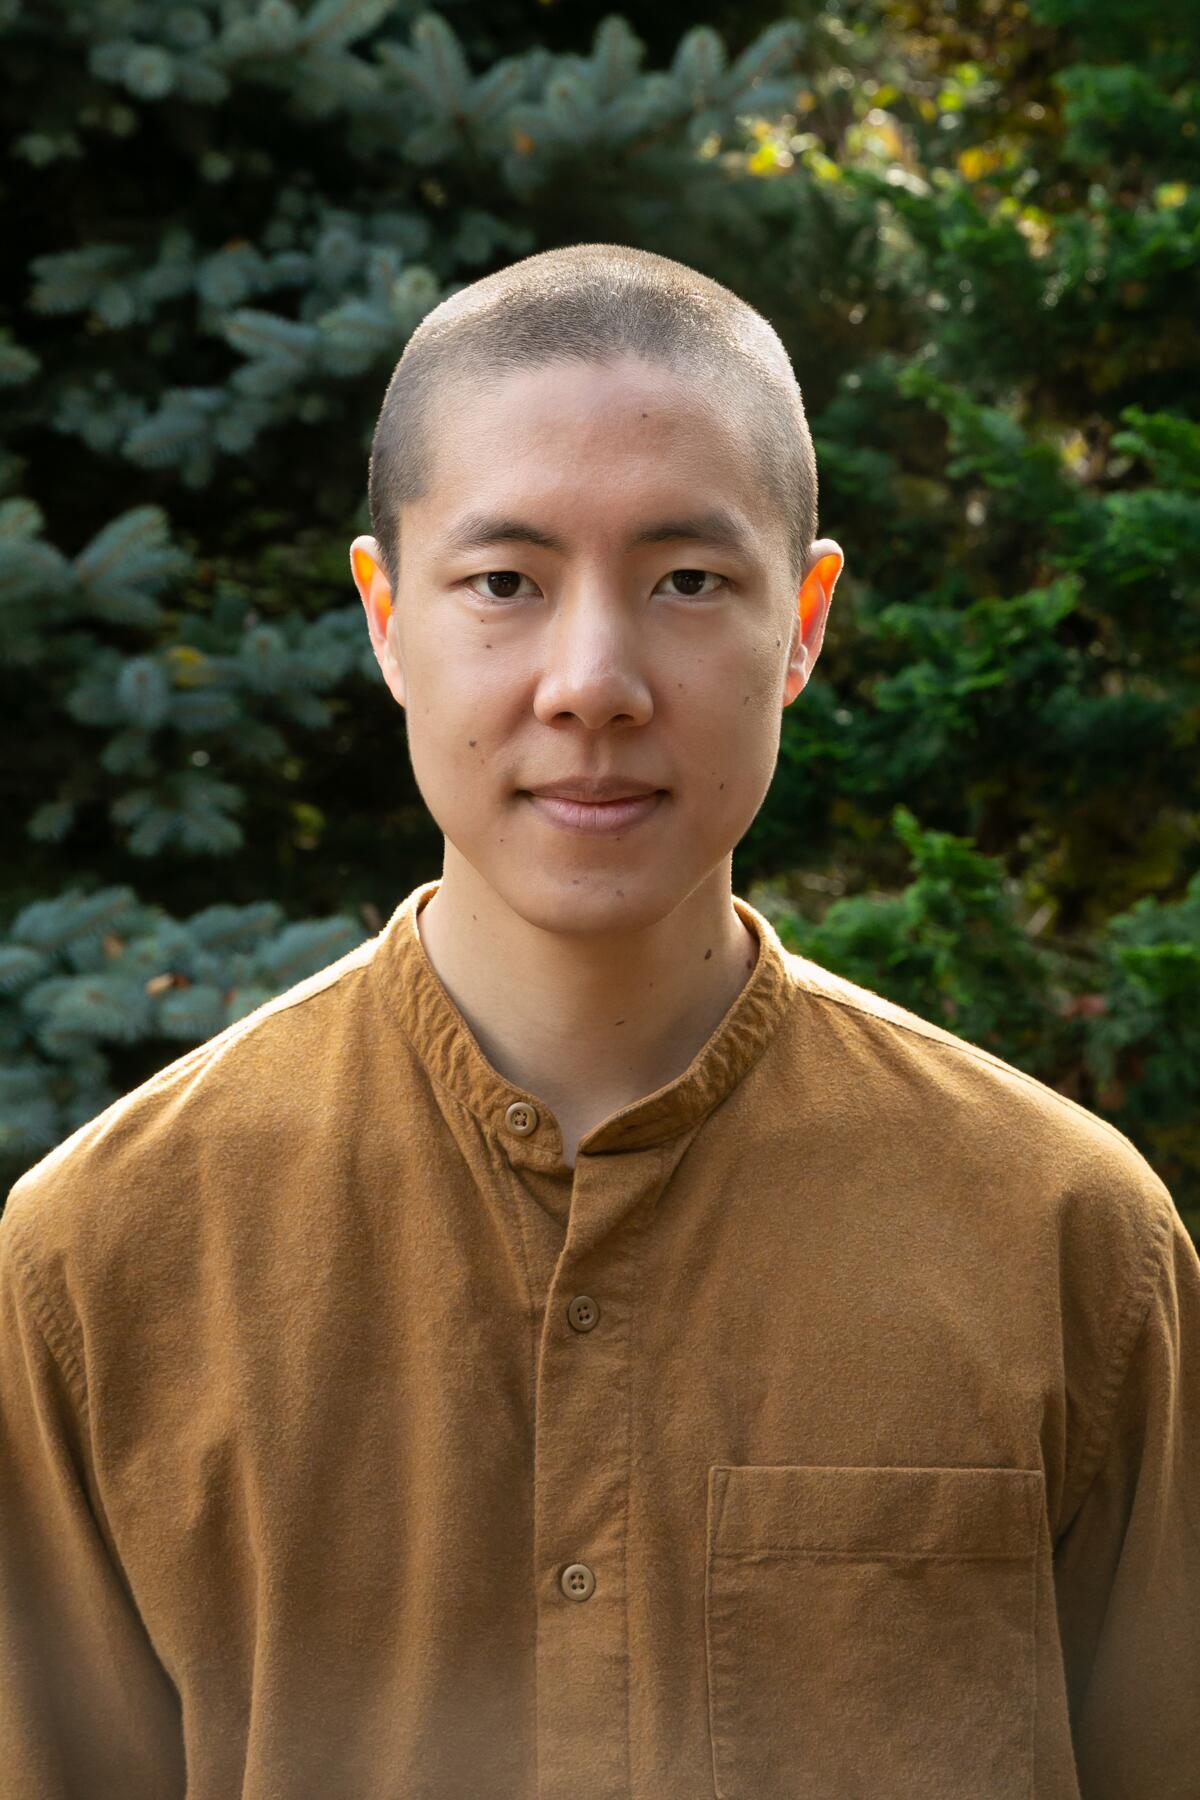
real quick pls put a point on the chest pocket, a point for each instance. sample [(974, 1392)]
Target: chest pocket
[(870, 1633)]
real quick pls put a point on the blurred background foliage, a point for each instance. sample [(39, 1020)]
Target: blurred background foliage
[(974, 225)]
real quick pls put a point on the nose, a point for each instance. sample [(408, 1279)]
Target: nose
[(594, 664)]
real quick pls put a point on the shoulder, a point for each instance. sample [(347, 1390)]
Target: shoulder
[(1036, 1150), (137, 1174)]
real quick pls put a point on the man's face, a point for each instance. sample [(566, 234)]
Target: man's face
[(520, 663)]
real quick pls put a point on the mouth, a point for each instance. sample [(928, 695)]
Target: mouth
[(595, 817)]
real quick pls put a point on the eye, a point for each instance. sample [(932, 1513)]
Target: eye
[(688, 576), (500, 575)]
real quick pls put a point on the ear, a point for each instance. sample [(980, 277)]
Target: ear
[(824, 565), (366, 566)]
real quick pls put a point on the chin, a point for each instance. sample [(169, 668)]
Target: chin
[(582, 903)]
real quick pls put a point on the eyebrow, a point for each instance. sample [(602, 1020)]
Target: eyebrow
[(716, 526)]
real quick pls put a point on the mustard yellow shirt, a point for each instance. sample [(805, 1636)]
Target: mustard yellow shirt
[(830, 1432)]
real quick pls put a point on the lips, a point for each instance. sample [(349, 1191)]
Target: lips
[(596, 816)]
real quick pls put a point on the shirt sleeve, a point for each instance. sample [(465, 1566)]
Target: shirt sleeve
[(85, 1705), (1127, 1568)]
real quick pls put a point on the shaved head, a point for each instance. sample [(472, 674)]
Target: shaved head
[(598, 304)]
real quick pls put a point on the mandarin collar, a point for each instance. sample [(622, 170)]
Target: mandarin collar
[(416, 999)]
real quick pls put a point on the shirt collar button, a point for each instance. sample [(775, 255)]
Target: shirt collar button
[(521, 1118)]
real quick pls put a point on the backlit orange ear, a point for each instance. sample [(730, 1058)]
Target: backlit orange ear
[(812, 592), (364, 568)]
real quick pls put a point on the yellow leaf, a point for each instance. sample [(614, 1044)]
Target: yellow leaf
[(190, 666), (822, 166), (889, 141), (1073, 450)]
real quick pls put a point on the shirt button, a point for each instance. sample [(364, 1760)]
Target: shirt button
[(521, 1118), (578, 1581), (583, 1313)]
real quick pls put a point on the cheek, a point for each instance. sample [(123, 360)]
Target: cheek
[(457, 749), (738, 736), (737, 701), (446, 698)]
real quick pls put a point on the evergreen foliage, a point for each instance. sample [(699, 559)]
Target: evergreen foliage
[(978, 234)]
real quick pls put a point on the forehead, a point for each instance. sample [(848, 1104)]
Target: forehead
[(568, 426)]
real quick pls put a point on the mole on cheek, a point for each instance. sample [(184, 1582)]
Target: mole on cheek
[(471, 742)]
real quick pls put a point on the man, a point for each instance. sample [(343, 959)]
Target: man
[(572, 1347)]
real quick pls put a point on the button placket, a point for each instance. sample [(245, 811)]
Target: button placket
[(578, 1581), (587, 1659)]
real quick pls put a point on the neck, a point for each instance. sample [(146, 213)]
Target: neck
[(587, 1022)]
